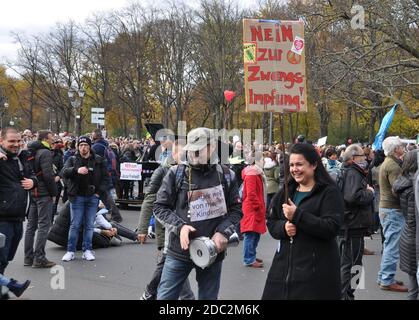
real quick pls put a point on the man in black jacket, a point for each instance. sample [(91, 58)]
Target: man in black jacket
[(40, 212), (16, 179), (358, 217), (84, 175), (201, 204), (153, 187)]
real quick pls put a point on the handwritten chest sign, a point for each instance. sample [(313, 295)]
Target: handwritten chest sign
[(274, 64), (131, 171)]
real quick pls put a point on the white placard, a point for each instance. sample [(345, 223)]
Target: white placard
[(205, 204), (130, 171), (98, 118), (322, 141)]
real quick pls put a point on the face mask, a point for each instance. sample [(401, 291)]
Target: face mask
[(332, 163), (362, 164)]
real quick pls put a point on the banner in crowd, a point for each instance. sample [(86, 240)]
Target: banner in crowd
[(274, 65), (385, 124), (130, 171), (322, 141)]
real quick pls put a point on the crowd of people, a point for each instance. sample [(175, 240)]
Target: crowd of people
[(319, 202)]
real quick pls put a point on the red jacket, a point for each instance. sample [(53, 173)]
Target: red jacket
[(253, 205)]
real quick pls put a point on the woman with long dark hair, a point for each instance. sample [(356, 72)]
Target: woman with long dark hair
[(306, 264)]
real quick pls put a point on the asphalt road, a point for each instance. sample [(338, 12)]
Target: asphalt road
[(121, 273)]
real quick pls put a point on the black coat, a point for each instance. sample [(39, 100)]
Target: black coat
[(358, 217), (14, 200), (403, 186), (309, 266), (97, 171), (43, 167)]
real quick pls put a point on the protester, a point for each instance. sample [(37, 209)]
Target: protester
[(41, 209), (272, 172), (150, 292), (358, 217), (306, 264), (84, 175), (176, 207), (16, 179), (403, 187), (254, 198), (391, 217)]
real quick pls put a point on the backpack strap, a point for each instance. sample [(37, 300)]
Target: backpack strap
[(180, 173), (227, 175)]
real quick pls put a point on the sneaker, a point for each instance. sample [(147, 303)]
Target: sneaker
[(43, 264), (68, 256), (147, 296), (88, 255)]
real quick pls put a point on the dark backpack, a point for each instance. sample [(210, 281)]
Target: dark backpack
[(111, 161), (30, 158)]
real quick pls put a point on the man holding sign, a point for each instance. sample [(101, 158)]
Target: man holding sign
[(195, 200)]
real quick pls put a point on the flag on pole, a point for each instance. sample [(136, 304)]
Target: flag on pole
[(385, 124)]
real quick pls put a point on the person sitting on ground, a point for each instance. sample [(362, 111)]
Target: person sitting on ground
[(105, 233)]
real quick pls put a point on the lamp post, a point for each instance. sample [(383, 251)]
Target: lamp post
[(76, 100), (3, 107)]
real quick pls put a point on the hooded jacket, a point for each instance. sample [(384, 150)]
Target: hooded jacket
[(254, 205), (171, 206), (43, 167), (403, 187), (14, 200)]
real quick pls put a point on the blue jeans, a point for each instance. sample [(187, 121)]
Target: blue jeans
[(392, 221), (250, 243), (4, 281), (13, 232), (83, 211), (175, 272)]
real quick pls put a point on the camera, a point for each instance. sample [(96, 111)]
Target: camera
[(91, 189), (2, 240)]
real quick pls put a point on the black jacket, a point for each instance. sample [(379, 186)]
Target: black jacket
[(171, 206), (14, 200), (309, 266), (403, 186), (358, 218), (57, 160), (43, 167), (97, 174)]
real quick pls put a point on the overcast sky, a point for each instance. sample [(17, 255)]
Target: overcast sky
[(35, 16)]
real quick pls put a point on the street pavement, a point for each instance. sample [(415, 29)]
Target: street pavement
[(121, 273)]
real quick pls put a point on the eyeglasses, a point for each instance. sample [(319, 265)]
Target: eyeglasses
[(359, 155)]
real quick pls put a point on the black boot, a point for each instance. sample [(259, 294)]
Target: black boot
[(18, 288)]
